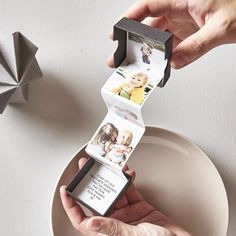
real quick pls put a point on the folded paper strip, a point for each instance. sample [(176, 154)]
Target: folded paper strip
[(18, 67), (143, 64)]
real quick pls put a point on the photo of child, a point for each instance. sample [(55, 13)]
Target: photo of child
[(121, 148), (104, 139), (141, 71), (146, 53), (114, 141), (133, 89)]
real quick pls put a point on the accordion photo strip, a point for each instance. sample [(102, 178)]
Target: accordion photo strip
[(142, 60)]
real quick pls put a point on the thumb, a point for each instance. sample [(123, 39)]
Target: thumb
[(111, 227), (196, 45)]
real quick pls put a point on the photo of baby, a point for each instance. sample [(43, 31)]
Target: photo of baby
[(114, 140), (121, 148), (141, 71), (112, 144), (133, 89), (146, 53)]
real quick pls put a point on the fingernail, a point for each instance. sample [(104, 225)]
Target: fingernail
[(62, 188), (95, 225)]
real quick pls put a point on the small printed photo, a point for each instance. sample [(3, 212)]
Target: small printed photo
[(133, 88), (131, 83), (146, 53), (114, 141), (141, 72), (118, 152), (124, 113), (127, 114), (149, 54), (145, 49)]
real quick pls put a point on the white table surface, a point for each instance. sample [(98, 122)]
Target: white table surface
[(37, 139)]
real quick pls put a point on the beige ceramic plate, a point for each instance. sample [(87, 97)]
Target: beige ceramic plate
[(175, 176)]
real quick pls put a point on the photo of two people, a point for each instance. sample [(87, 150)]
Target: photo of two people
[(112, 144), (146, 53)]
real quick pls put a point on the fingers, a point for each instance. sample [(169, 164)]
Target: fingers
[(142, 9), (110, 61), (73, 210), (129, 172), (155, 217), (132, 194), (124, 201), (176, 41), (157, 22), (195, 46), (134, 212), (125, 168), (110, 227), (82, 161), (111, 35), (152, 229), (132, 174)]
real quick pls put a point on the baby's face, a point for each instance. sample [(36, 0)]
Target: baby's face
[(136, 81), (121, 139)]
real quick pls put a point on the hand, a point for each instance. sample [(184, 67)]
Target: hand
[(132, 216), (197, 25)]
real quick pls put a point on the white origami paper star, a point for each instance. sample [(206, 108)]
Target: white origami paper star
[(18, 67)]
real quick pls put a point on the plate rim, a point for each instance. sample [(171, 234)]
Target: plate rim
[(148, 128)]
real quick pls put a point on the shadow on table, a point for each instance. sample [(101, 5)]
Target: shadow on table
[(53, 105)]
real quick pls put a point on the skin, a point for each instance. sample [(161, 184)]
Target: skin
[(121, 139), (197, 25), (108, 144), (136, 82), (131, 216)]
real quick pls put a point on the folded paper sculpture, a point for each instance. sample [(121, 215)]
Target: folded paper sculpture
[(18, 67)]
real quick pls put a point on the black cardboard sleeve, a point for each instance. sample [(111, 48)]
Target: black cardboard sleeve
[(126, 25), (81, 174)]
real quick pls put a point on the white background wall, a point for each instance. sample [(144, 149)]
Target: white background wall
[(65, 107)]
